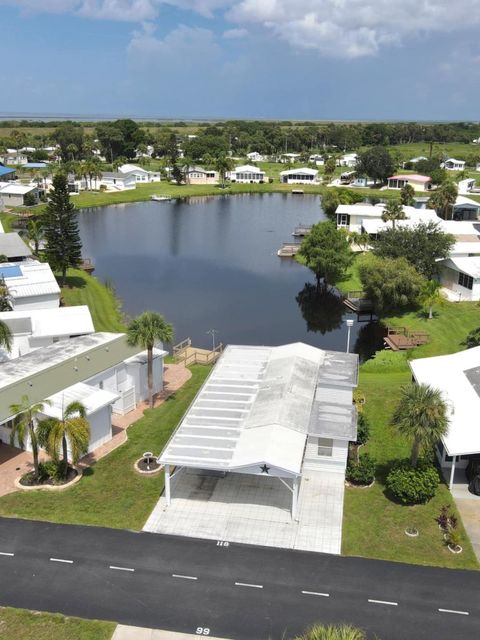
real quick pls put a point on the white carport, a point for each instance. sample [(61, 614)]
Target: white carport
[(254, 412)]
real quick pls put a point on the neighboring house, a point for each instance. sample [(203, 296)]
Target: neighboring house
[(269, 411), (457, 376), (247, 173), (103, 362), (6, 173), (13, 194), (199, 175), (117, 181), (366, 217), (453, 165), (317, 159), (31, 285), (287, 158), (13, 156), (35, 165), (466, 186), (347, 160), (418, 182), (466, 209), (361, 181), (141, 175), (299, 176), (35, 328), (13, 247), (461, 275), (417, 159), (254, 156)]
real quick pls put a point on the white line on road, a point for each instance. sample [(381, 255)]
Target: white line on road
[(460, 613), (176, 575), (5, 553), (245, 584), (316, 593), (61, 560), (393, 604), (112, 566)]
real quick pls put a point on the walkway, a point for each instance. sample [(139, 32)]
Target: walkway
[(15, 462), (468, 505), (125, 632), (254, 510)]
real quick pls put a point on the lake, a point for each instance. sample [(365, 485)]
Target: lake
[(211, 263)]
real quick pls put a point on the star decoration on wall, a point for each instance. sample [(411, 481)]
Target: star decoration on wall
[(265, 469)]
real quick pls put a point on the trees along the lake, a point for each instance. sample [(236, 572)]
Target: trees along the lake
[(390, 283), (327, 253), (333, 197), (393, 211), (376, 163), (144, 331), (63, 244), (24, 423), (422, 246), (431, 295), (407, 195), (71, 429), (421, 416), (223, 165), (5, 336), (322, 309), (443, 199), (330, 165)]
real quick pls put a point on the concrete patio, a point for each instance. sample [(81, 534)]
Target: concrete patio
[(254, 510)]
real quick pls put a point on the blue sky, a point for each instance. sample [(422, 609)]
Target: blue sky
[(336, 59)]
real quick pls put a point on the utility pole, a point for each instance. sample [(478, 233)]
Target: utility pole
[(212, 332)]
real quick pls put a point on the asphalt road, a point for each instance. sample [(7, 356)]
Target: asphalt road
[(227, 590)]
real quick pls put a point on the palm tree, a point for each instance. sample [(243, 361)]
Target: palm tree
[(330, 632), (393, 211), (71, 429), (144, 331), (5, 336), (5, 297), (443, 199), (24, 423), (421, 416), (223, 165), (431, 295), (35, 233)]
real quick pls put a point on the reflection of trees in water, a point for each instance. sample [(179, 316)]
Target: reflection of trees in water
[(322, 309), (369, 340)]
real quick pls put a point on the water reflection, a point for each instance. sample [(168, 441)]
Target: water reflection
[(369, 340), (322, 309)]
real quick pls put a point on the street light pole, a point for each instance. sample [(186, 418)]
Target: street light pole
[(212, 332), (349, 328)]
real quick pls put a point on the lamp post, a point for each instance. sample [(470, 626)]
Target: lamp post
[(212, 332), (349, 328)]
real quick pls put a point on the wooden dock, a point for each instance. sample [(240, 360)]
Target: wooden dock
[(302, 230), (184, 353), (298, 192), (87, 265), (289, 249), (358, 303), (400, 339)]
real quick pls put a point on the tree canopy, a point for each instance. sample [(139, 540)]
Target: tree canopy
[(120, 138), (421, 246), (376, 163), (393, 211), (390, 283), (326, 252), (443, 198)]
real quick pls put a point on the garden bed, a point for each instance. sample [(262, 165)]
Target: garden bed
[(26, 482)]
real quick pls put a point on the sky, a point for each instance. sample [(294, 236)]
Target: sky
[(285, 59)]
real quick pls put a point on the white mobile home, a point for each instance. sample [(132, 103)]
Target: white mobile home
[(117, 181), (247, 174), (299, 176), (453, 165), (31, 285), (141, 175), (199, 175), (418, 182), (461, 275)]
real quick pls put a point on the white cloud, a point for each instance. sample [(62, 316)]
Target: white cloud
[(125, 10), (235, 34), (184, 45)]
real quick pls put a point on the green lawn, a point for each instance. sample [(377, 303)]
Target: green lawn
[(373, 525), (26, 625), (101, 300), (111, 493)]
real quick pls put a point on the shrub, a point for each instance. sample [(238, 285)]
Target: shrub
[(473, 338), (52, 470), (29, 200), (363, 429), (361, 472), (386, 361), (447, 519), (413, 485), (454, 539)]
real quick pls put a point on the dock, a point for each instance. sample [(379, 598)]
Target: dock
[(186, 354), (87, 265), (358, 303), (400, 339), (298, 192), (302, 230), (289, 249)]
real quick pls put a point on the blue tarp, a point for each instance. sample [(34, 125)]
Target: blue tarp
[(6, 170)]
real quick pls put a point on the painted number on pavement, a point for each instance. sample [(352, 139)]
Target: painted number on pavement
[(202, 631), (222, 543)]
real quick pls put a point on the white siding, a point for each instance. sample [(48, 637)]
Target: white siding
[(336, 462)]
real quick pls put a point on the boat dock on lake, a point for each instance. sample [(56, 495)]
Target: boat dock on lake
[(302, 230), (400, 339), (289, 249), (158, 198)]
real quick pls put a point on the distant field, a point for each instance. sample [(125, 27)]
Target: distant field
[(453, 149)]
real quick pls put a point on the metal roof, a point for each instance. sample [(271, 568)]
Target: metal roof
[(42, 323), (255, 408), (93, 399), (4, 171), (31, 278), (12, 246), (469, 265)]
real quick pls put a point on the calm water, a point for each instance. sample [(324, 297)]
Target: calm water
[(211, 263)]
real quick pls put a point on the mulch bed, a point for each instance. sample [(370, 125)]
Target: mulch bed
[(152, 466), (28, 481)]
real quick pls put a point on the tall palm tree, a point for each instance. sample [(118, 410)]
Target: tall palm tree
[(35, 233), (144, 331), (330, 632), (5, 336), (443, 199), (24, 424), (71, 429), (421, 415), (431, 295), (223, 165), (393, 211)]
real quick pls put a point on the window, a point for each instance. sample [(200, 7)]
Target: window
[(465, 281), (325, 447)]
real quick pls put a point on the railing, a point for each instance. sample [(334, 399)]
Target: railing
[(355, 295), (200, 356), (181, 346)]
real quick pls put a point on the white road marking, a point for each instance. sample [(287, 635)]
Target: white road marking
[(112, 566), (393, 604), (5, 553), (61, 560), (245, 584), (176, 575), (460, 613), (316, 593)]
